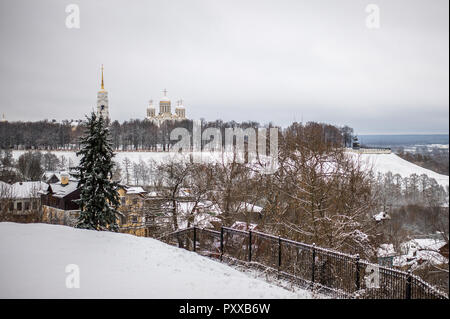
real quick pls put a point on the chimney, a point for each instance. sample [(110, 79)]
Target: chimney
[(64, 179)]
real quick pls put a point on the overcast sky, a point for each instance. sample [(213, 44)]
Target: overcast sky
[(276, 60)]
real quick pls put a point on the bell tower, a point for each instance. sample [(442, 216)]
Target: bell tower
[(102, 101)]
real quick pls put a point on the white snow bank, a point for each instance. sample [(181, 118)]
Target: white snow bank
[(33, 258)]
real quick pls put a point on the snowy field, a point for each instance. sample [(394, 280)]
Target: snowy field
[(382, 163), (34, 259)]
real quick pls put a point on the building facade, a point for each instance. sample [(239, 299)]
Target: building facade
[(20, 202), (59, 206), (59, 202), (132, 217)]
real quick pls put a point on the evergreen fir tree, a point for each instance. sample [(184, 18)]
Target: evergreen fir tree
[(99, 198)]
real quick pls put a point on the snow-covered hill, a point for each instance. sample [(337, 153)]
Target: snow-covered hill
[(34, 257), (384, 163), (379, 162)]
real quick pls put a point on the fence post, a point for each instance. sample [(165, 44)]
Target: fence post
[(358, 281), (408, 285), (313, 266), (221, 243), (279, 253), (195, 239), (249, 245)]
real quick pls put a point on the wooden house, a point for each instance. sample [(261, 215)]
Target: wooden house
[(59, 202)]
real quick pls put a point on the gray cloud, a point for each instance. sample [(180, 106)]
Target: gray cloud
[(244, 60)]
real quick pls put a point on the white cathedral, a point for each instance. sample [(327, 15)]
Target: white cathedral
[(165, 108), (165, 111)]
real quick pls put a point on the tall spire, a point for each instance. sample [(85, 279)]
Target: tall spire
[(103, 87)]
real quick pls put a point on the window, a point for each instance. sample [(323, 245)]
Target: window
[(35, 205), (27, 205), (135, 201), (123, 201), (134, 219), (19, 206), (11, 206)]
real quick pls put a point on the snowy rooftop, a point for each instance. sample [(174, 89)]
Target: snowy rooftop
[(250, 208), (48, 174), (24, 189), (386, 250), (135, 190), (381, 216), (59, 190), (420, 250)]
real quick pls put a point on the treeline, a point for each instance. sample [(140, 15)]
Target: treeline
[(39, 135), (129, 135), (318, 194), (437, 160), (30, 166), (416, 205)]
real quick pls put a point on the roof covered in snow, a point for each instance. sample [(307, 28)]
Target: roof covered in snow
[(417, 251), (135, 190), (25, 189), (250, 208), (386, 250), (381, 216), (59, 190)]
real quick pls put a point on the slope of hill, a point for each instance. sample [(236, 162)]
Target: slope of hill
[(379, 162), (34, 258), (384, 163)]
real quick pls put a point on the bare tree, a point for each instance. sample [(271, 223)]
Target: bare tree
[(127, 169)]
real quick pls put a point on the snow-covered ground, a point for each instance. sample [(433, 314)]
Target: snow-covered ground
[(382, 163), (425, 249), (34, 257)]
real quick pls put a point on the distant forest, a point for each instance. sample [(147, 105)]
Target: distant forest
[(129, 135), (437, 160)]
